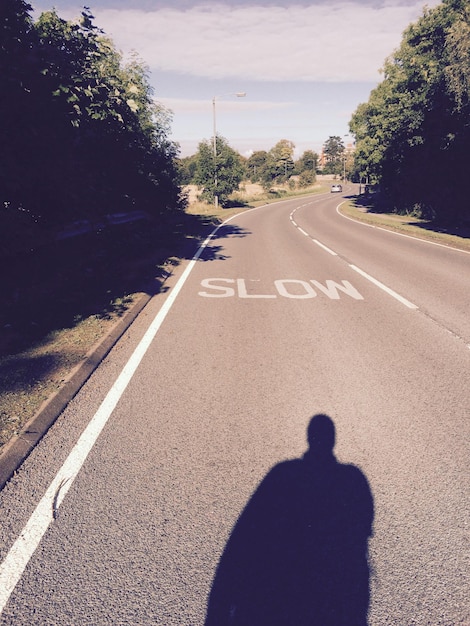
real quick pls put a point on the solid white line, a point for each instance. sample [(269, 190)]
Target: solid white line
[(303, 232), (15, 562), (394, 232), (319, 243), (24, 547), (392, 293)]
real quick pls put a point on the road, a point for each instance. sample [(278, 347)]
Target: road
[(291, 310)]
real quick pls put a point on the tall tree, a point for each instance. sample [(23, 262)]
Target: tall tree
[(282, 158), (412, 135), (256, 164), (279, 163), (306, 168), (333, 149), (186, 169), (17, 105), (95, 139), (218, 175)]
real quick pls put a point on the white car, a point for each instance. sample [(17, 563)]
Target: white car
[(336, 189)]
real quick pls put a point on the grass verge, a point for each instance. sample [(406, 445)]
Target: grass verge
[(62, 300), (456, 237)]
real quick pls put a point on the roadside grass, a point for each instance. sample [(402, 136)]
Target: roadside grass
[(363, 210), (56, 309), (248, 197), (30, 377), (61, 301)]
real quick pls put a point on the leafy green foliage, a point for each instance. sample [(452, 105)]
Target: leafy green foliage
[(218, 175), (306, 168), (276, 166), (333, 149), (412, 135), (279, 163), (186, 169), (256, 164), (81, 133)]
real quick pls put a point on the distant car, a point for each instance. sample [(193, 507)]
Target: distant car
[(336, 189)]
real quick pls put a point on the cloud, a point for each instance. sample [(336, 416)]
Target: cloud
[(183, 105), (334, 42)]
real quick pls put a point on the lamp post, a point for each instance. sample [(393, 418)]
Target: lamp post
[(239, 94)]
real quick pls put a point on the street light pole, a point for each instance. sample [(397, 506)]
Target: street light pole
[(239, 94)]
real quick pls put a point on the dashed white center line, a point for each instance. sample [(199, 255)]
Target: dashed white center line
[(322, 245), (370, 278)]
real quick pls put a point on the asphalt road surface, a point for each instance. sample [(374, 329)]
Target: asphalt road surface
[(122, 513)]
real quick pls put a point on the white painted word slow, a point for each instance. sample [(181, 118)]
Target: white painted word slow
[(286, 288)]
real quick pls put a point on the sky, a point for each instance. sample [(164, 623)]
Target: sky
[(305, 66)]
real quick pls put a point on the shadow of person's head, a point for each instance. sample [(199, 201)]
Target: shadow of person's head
[(321, 435)]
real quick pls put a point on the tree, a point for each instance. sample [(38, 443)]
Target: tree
[(282, 158), (96, 141), (306, 168), (457, 69), (186, 169), (412, 135), (18, 72), (307, 162), (256, 165), (217, 176), (279, 164), (333, 149)]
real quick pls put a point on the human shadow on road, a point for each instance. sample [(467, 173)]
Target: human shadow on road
[(298, 553)]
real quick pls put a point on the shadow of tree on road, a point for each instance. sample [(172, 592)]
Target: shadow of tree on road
[(298, 553), (215, 252), (57, 285)]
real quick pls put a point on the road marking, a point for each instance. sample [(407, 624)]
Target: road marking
[(308, 290), (322, 245), (287, 288), (15, 562), (243, 293), (394, 232), (373, 280), (208, 283), (332, 289), (376, 282)]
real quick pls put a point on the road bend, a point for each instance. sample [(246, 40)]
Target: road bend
[(123, 513)]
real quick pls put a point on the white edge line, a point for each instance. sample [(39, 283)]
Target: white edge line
[(15, 562), (394, 232), (17, 558), (376, 282)]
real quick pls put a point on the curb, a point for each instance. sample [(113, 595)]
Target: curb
[(21, 445)]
